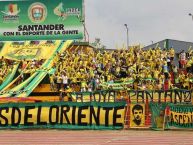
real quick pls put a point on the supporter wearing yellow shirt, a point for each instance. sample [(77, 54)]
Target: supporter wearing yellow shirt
[(117, 69), (76, 59), (68, 69), (108, 56), (177, 79), (74, 79), (83, 86), (151, 64), (149, 86), (78, 75), (142, 75), (108, 77), (91, 72), (188, 65), (156, 74), (172, 53), (186, 83), (149, 75), (181, 78), (112, 59)]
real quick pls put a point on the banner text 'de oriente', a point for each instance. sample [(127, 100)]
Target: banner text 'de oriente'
[(63, 115)]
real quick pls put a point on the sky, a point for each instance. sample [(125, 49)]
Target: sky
[(147, 20)]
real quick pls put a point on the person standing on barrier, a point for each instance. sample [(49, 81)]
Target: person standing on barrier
[(64, 80), (137, 111)]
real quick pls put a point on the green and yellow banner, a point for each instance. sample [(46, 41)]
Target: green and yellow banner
[(181, 116), (29, 51), (169, 115), (66, 115), (41, 20)]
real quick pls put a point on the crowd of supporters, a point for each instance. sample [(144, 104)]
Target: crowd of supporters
[(152, 69)]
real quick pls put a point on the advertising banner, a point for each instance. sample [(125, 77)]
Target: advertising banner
[(66, 115), (41, 20), (137, 115)]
